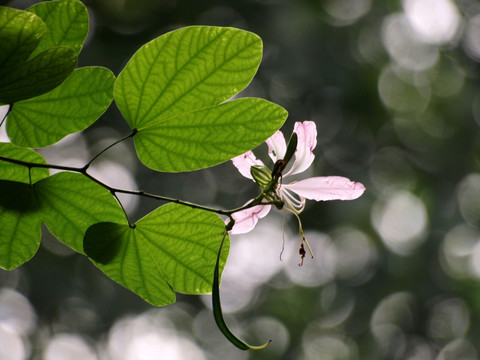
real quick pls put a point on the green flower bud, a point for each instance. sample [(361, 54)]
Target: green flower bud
[(262, 175)]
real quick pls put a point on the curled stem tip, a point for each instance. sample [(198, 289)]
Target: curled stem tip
[(217, 308)]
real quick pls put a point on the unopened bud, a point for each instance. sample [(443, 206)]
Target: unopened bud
[(262, 175)]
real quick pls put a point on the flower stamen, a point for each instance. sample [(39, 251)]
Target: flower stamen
[(304, 239), (296, 204)]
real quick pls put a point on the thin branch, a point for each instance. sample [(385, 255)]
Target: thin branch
[(83, 170), (5, 116), (228, 213), (134, 131), (43, 166)]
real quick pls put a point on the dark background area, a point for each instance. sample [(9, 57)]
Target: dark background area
[(393, 87)]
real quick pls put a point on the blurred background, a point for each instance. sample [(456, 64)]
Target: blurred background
[(394, 89)]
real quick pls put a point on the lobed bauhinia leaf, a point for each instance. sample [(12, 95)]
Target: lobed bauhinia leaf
[(71, 203), (71, 107), (68, 203), (67, 24), (207, 137), (172, 91), (174, 248), (21, 173), (20, 220)]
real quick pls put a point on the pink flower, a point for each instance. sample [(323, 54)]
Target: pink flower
[(292, 195)]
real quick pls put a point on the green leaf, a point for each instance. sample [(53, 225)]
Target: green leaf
[(20, 33), (67, 24), (73, 106), (174, 248), (171, 91), (208, 137), (20, 173), (185, 70), (20, 232), (68, 203), (71, 203), (41, 74)]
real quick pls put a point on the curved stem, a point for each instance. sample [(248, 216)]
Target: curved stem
[(217, 308)]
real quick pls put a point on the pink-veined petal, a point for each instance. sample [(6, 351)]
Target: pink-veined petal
[(246, 220), (327, 188), (244, 162), (276, 146), (307, 140)]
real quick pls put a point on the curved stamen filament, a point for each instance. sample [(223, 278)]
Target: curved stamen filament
[(296, 204)]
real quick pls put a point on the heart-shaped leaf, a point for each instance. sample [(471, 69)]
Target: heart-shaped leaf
[(71, 107), (174, 248)]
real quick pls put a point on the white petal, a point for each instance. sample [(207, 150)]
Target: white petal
[(246, 220), (307, 140), (244, 162), (327, 188), (276, 146)]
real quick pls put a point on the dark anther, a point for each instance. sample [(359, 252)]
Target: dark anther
[(302, 253)]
